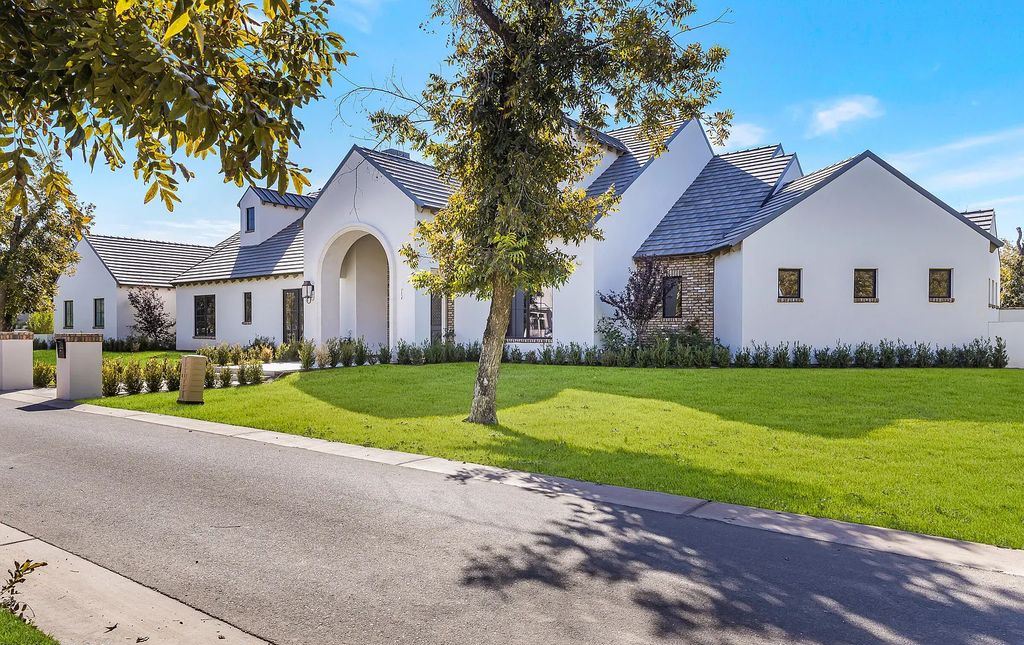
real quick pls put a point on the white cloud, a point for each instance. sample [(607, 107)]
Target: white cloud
[(361, 14), (745, 135), (992, 171), (829, 117), (913, 159)]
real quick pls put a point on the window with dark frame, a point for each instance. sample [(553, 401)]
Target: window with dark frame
[(789, 285), (69, 314), (865, 285), (97, 313), (531, 317), (250, 219), (205, 316), (940, 285), (247, 308), (671, 302)]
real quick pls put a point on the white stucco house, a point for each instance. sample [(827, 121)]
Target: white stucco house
[(755, 250)]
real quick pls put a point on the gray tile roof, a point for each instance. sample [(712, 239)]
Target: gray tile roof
[(284, 199), (151, 263), (786, 197), (624, 170), (281, 254), (419, 181), (729, 191), (984, 219)]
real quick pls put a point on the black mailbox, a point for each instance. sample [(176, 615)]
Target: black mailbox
[(62, 348)]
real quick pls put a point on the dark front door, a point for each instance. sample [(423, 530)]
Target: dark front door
[(292, 305)]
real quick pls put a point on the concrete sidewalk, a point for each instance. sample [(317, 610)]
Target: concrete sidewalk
[(925, 547), (80, 603)]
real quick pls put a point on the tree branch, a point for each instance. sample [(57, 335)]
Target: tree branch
[(497, 26)]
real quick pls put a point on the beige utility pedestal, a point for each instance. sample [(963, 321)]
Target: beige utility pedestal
[(79, 359), (193, 377), (16, 360)]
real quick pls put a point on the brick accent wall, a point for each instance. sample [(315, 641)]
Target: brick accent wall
[(449, 317), (697, 294)]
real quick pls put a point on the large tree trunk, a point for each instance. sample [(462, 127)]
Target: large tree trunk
[(485, 409)]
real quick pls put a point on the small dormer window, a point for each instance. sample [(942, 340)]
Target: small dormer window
[(250, 219)]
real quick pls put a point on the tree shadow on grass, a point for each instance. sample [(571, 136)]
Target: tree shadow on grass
[(691, 580), (836, 404)]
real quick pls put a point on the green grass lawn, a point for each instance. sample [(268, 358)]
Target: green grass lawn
[(932, 450), (50, 356), (15, 632)]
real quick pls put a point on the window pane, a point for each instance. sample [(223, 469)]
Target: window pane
[(531, 315), (940, 283), (69, 314), (97, 313), (250, 219), (205, 316), (247, 307), (864, 283), (789, 283), (671, 305)]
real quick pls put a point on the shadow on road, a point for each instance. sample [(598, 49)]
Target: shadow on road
[(690, 575)]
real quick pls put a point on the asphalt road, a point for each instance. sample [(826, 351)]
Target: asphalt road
[(302, 547)]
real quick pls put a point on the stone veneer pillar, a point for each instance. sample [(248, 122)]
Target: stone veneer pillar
[(78, 366), (16, 360)]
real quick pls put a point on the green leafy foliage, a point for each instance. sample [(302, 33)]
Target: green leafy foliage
[(43, 374), (1011, 265), (498, 127), (176, 77)]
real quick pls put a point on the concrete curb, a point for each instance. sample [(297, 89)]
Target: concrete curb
[(925, 547), (77, 602)]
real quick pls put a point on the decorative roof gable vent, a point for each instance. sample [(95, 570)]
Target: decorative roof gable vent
[(394, 152)]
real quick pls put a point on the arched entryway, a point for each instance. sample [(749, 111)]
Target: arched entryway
[(355, 290)]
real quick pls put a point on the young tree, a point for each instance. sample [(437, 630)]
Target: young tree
[(196, 77), (498, 127), (637, 304), (37, 245), (152, 322), (1011, 259)]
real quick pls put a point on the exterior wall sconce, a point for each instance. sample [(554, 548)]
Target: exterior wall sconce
[(307, 291)]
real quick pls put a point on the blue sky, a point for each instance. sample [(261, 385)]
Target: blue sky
[(937, 88)]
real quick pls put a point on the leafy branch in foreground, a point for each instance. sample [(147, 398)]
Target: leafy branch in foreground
[(9, 592), (196, 77)]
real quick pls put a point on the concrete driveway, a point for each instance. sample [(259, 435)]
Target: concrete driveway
[(302, 547)]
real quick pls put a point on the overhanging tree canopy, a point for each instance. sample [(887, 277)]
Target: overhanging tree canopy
[(175, 77), (498, 126)]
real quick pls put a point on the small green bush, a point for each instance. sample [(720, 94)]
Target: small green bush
[(110, 377), (384, 353), (322, 356), (702, 356), (132, 376), (360, 354), (780, 355), (743, 357), (721, 355), (346, 352), (242, 374), (887, 354), (865, 355), (224, 376), (1000, 357), (153, 375), (210, 378), (307, 354), (172, 374), (904, 354), (801, 355), (762, 355), (43, 374), (842, 355), (254, 372), (923, 356)]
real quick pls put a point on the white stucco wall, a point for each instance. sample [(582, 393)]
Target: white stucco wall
[(866, 218), (1010, 327), (729, 299), (359, 200), (90, 280), (270, 218), (267, 310)]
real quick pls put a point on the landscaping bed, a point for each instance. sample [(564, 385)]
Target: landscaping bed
[(936, 451)]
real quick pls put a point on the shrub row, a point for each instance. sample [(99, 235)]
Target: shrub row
[(43, 374), (886, 354), (131, 377)]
